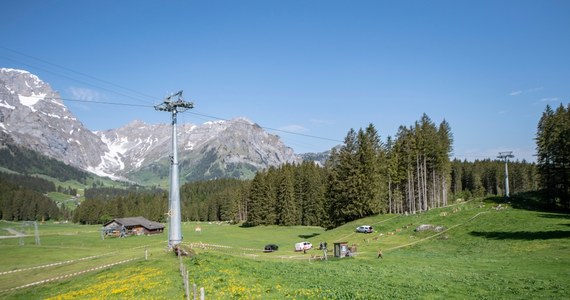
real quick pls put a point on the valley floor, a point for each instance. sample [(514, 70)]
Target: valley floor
[(481, 253)]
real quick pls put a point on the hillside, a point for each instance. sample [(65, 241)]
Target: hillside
[(483, 252), (22, 160), (32, 170)]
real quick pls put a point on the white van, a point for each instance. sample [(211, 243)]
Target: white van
[(303, 246)]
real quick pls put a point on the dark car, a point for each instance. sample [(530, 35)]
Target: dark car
[(270, 248)]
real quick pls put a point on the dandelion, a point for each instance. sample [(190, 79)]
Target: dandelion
[(113, 285)]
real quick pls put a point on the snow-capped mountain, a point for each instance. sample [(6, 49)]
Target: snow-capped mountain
[(35, 117), (235, 148)]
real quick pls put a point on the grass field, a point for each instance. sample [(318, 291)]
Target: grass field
[(482, 253)]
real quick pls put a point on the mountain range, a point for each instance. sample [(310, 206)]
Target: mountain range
[(34, 116)]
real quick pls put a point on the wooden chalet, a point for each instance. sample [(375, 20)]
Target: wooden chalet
[(132, 225)]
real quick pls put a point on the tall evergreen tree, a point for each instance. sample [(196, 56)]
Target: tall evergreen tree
[(287, 208), (256, 198), (553, 155), (313, 198)]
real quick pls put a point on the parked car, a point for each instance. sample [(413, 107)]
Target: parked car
[(365, 229), (303, 246), (270, 248)]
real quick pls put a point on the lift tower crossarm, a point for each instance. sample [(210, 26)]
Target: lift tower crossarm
[(174, 214), (178, 105)]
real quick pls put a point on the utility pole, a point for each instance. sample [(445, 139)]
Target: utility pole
[(506, 155), (174, 106)]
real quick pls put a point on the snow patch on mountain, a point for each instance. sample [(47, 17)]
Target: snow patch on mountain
[(6, 105), (30, 101)]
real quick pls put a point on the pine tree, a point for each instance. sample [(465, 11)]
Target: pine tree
[(256, 198), (553, 155), (313, 199), (369, 155), (287, 208), (445, 147)]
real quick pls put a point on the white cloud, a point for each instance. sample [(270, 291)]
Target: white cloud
[(321, 122), (294, 128), (84, 94), (535, 89), (522, 92), (549, 99)]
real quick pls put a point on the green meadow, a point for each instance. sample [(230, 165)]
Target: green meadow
[(479, 253)]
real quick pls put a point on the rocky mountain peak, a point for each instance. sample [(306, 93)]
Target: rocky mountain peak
[(34, 116)]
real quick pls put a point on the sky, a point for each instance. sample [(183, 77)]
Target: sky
[(306, 70)]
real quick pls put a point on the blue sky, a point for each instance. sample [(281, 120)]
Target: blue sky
[(313, 67)]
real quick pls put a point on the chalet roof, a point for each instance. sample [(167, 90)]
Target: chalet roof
[(134, 221)]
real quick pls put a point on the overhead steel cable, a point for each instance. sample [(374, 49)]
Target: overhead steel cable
[(82, 81), (105, 102), (204, 116), (268, 128), (130, 90)]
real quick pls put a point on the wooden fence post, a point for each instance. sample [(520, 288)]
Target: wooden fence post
[(187, 286)]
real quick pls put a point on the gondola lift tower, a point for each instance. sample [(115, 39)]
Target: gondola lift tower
[(174, 104), (506, 155)]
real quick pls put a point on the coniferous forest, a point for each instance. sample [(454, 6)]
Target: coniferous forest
[(23, 198), (366, 175)]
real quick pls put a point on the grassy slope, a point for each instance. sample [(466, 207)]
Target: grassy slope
[(485, 253)]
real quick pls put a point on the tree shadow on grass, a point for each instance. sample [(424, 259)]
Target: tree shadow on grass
[(522, 235), (308, 236), (533, 201), (555, 216)]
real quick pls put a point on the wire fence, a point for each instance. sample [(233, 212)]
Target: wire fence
[(66, 276)]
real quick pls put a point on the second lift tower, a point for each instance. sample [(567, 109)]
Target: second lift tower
[(174, 104), (506, 156)]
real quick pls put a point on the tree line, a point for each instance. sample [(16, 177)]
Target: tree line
[(213, 200), (487, 177), (22, 198), (409, 173), (104, 204)]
